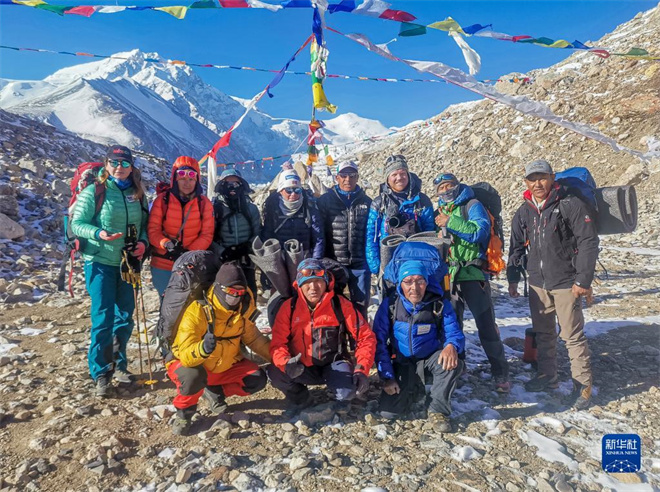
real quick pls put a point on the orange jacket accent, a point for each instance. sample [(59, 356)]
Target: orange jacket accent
[(301, 333), (197, 233)]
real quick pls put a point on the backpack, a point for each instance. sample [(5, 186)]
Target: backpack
[(580, 183), (340, 275), (489, 197), (193, 274), (86, 174), (436, 268)]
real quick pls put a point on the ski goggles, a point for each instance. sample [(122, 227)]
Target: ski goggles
[(293, 191), (445, 177), (233, 291), (232, 184), (186, 173), (309, 272), (124, 164)]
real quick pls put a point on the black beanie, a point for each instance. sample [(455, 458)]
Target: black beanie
[(230, 274)]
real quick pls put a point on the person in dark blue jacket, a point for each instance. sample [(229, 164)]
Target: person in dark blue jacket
[(292, 213), (417, 332), (400, 208)]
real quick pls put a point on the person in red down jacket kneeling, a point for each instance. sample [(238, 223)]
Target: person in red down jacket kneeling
[(310, 343)]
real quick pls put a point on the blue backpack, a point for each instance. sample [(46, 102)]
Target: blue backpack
[(436, 268), (580, 183)]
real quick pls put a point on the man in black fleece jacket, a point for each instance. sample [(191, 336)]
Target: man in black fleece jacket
[(557, 232)]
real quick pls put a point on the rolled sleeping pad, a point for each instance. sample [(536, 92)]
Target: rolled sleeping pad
[(617, 209), (387, 246), (269, 258), (440, 243), (293, 255)]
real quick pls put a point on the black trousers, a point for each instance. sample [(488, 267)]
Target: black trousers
[(476, 294), (410, 375)]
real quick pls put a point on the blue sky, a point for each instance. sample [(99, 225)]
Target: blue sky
[(259, 38)]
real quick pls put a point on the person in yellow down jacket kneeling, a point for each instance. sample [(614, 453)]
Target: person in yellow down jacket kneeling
[(207, 349)]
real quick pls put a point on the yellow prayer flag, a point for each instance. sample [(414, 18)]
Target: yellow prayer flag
[(177, 11), (329, 160), (29, 3), (448, 24), (320, 101), (560, 43)]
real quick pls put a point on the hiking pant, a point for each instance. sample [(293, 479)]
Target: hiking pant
[(476, 294), (112, 318), (359, 288), (338, 376), (547, 305), (241, 379), (160, 279), (410, 376)]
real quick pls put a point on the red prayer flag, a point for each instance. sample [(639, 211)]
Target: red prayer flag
[(518, 38), (397, 15), (84, 10), (223, 142), (234, 4)]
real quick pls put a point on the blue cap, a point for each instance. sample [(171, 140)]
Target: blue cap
[(311, 264), (412, 268), (229, 172)]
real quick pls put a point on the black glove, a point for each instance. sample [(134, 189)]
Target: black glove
[(361, 382), (209, 342), (294, 368), (174, 249)]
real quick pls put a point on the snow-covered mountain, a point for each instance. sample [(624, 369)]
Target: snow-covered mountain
[(165, 110)]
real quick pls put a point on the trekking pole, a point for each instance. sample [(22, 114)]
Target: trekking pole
[(151, 381), (128, 276)]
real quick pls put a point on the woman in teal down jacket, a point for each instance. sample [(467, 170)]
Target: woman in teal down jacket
[(106, 233)]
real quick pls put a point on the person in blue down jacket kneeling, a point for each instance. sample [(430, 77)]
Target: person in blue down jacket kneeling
[(417, 332), (400, 208)]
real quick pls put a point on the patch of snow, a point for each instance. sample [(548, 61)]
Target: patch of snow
[(548, 449), (465, 453), (5, 348), (30, 332)]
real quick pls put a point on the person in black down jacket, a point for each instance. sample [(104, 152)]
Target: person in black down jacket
[(292, 213), (344, 211), (557, 233)]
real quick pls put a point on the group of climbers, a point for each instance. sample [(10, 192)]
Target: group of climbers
[(319, 336)]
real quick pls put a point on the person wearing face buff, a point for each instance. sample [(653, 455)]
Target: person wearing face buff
[(470, 284), (237, 223), (400, 208), (120, 225), (181, 220), (292, 213), (207, 354)]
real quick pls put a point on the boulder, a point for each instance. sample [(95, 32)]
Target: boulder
[(34, 166), (9, 206), (10, 229)]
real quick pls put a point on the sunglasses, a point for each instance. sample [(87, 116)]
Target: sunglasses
[(309, 272), (232, 291), (347, 175), (443, 177), (124, 164), (186, 173), (292, 191), (232, 184)]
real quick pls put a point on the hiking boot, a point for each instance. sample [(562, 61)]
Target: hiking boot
[(122, 376), (582, 395), (293, 409), (182, 422), (441, 423), (542, 382), (216, 402), (103, 386), (502, 384)]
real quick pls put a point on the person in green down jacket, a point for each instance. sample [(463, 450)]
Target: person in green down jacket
[(470, 284), (120, 223)]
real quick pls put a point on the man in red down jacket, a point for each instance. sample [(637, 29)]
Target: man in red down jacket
[(310, 341), (181, 220)]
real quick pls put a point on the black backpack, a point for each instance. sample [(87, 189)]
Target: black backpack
[(490, 198), (192, 275)]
